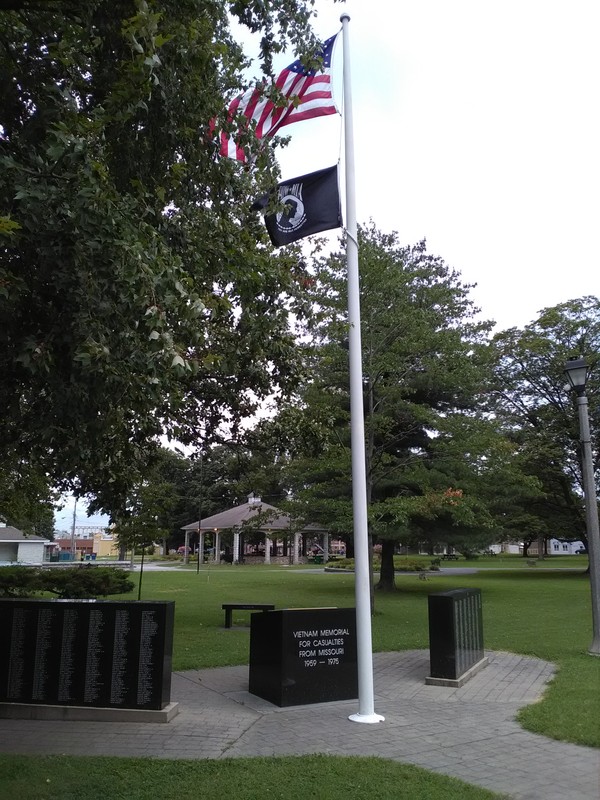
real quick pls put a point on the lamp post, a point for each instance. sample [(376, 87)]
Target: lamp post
[(200, 558), (576, 371)]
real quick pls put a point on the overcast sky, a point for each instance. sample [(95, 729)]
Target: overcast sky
[(477, 127)]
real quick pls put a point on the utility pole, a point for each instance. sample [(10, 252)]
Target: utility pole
[(73, 548)]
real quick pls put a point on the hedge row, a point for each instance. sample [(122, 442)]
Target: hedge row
[(82, 582)]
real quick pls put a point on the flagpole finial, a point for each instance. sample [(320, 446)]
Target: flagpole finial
[(344, 16)]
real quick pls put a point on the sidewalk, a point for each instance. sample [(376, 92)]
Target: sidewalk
[(469, 733)]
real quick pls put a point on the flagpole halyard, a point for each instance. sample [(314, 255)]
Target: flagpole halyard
[(366, 705)]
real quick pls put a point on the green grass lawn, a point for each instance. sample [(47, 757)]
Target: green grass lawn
[(532, 611), (513, 561), (527, 610), (502, 561), (293, 778)]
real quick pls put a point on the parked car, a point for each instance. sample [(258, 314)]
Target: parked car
[(581, 552)]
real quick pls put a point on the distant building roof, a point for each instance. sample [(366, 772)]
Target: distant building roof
[(10, 534)]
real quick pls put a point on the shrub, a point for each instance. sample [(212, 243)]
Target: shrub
[(18, 581), (69, 583), (343, 563), (168, 557), (85, 582), (403, 564)]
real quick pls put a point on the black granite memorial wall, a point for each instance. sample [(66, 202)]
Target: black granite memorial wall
[(455, 632), (99, 653), (301, 656)]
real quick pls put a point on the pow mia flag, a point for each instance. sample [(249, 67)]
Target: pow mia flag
[(311, 204)]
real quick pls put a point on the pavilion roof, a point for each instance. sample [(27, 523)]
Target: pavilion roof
[(237, 516)]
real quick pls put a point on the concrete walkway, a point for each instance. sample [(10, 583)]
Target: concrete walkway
[(469, 733)]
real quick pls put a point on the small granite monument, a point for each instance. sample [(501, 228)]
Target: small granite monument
[(455, 637), (301, 656)]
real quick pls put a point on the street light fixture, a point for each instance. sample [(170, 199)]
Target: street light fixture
[(576, 371)]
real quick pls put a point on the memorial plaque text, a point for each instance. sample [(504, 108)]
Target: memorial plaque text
[(98, 653), (300, 656)]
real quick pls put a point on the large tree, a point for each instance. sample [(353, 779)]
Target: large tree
[(424, 358), (138, 295), (531, 401), (26, 497), (177, 490)]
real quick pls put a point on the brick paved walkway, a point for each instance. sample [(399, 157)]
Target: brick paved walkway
[(469, 733)]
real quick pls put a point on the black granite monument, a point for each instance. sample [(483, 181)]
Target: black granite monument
[(301, 656), (95, 653), (455, 636)]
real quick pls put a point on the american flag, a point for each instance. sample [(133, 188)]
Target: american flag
[(308, 94)]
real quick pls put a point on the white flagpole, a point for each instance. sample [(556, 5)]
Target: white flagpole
[(366, 707)]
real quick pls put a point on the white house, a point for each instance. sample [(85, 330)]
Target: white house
[(506, 547), (557, 547), (16, 547)]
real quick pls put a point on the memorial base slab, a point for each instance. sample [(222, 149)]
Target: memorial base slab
[(87, 714), (456, 683)]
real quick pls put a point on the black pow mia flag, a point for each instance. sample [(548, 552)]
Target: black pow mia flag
[(311, 204)]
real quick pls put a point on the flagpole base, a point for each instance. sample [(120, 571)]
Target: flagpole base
[(370, 719)]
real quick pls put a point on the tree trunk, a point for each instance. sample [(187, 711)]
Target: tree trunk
[(541, 546), (387, 581)]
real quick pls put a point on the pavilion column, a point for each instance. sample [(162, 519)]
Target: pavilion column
[(186, 556), (325, 548), (295, 554), (217, 547), (236, 547), (201, 547), (267, 549)]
